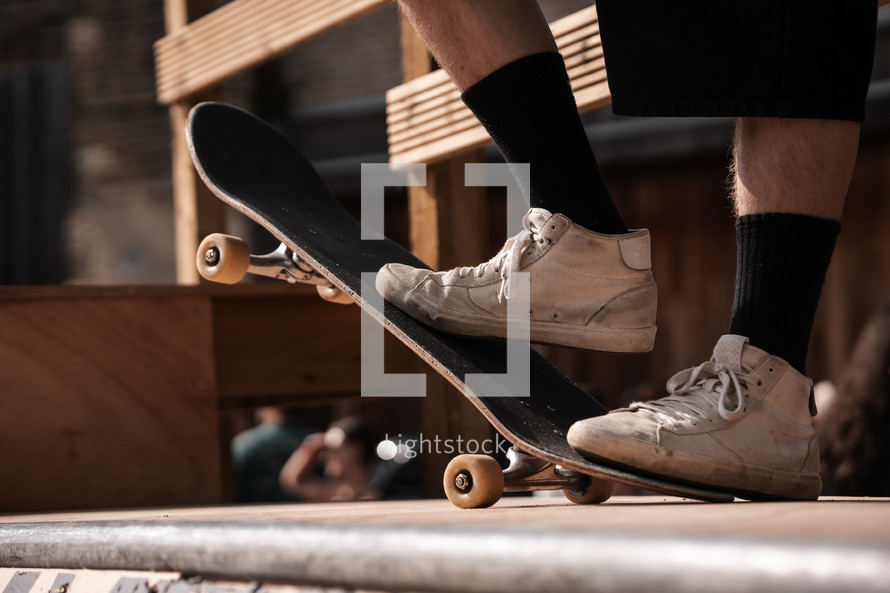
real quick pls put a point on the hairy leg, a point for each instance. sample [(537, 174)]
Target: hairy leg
[(790, 181), (799, 166), (473, 39)]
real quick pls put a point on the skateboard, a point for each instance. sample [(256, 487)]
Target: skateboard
[(253, 168)]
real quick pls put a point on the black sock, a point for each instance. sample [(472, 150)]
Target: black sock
[(782, 261), (528, 108)]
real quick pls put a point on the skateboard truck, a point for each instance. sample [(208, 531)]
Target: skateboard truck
[(473, 481), (227, 259)]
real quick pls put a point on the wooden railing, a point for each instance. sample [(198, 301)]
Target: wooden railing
[(241, 35)]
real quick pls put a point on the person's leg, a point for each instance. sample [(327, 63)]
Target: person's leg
[(790, 180), (799, 166), (470, 40), (503, 58), (591, 283), (742, 421)]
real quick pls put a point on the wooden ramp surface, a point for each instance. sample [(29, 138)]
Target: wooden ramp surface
[(521, 544)]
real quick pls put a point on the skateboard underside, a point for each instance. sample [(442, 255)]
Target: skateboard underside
[(257, 171)]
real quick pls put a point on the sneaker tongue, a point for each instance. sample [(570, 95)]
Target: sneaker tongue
[(536, 219), (728, 351), (735, 353)]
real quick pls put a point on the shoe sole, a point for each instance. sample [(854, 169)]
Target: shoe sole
[(746, 481)]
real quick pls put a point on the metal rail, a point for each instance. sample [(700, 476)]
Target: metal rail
[(399, 558)]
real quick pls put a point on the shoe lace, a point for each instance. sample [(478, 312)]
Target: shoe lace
[(507, 261), (693, 393)]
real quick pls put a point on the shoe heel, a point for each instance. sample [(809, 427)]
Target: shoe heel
[(634, 309)]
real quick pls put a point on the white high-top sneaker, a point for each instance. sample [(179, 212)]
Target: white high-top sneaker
[(588, 290), (741, 422)]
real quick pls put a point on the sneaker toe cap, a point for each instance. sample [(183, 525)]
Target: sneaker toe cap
[(394, 280), (588, 435), (599, 435)]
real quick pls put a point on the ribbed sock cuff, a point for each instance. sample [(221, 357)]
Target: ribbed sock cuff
[(781, 264), (528, 108)]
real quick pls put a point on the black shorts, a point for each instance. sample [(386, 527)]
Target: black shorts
[(756, 58)]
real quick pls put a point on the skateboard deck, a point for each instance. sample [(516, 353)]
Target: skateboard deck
[(256, 170)]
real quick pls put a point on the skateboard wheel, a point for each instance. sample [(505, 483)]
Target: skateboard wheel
[(333, 294), (597, 491), (473, 481), (223, 258)]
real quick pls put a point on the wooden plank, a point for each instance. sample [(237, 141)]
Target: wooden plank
[(197, 212), (837, 519), (427, 127), (431, 132), (273, 342), (153, 291), (109, 402), (427, 121), (290, 347), (415, 85), (444, 148), (240, 35)]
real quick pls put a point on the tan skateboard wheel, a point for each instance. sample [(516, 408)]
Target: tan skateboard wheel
[(332, 294), (598, 491), (473, 481), (223, 258)]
